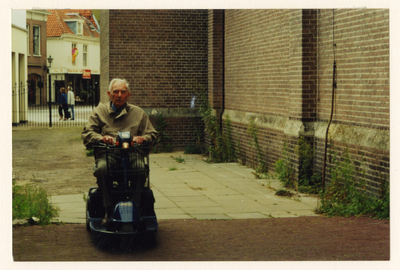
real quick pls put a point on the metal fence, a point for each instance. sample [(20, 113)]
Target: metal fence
[(30, 108)]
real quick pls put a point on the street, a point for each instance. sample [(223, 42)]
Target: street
[(274, 239)]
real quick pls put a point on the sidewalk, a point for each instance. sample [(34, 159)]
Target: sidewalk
[(198, 190)]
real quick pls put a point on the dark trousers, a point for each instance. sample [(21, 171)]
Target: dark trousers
[(105, 184), (62, 108)]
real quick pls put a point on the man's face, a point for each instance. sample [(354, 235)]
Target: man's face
[(119, 94)]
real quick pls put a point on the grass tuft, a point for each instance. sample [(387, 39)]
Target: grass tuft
[(32, 202)]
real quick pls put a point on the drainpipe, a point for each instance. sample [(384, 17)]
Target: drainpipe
[(223, 70)]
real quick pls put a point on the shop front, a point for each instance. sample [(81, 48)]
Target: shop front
[(85, 85)]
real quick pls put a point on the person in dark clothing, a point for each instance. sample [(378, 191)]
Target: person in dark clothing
[(63, 104)]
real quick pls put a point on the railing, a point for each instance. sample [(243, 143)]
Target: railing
[(34, 110)]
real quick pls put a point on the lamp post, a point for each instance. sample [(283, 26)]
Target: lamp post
[(50, 60)]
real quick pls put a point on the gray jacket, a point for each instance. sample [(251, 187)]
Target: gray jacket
[(104, 121)]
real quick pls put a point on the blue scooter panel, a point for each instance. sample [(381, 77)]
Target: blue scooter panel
[(126, 212)]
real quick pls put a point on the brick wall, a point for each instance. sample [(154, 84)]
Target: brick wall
[(361, 108), (278, 71), (263, 75), (163, 55), (104, 55), (182, 131), (160, 52), (257, 60), (362, 57), (38, 65), (273, 66)]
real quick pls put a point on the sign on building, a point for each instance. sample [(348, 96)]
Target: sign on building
[(86, 74)]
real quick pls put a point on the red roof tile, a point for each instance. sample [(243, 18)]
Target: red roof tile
[(56, 25)]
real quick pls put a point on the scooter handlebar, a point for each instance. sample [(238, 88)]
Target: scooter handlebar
[(101, 144)]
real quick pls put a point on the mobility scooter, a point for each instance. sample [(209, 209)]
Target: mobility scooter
[(127, 168)]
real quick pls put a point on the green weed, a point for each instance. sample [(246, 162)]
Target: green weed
[(284, 169), (229, 144), (221, 148), (252, 130), (173, 168), (346, 195), (307, 181), (160, 125), (179, 159), (195, 147), (284, 192), (32, 201)]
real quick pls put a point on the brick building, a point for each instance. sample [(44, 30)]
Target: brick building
[(273, 66), (36, 25), (162, 54)]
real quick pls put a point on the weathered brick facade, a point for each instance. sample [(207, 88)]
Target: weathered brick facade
[(163, 55), (274, 66), (361, 115)]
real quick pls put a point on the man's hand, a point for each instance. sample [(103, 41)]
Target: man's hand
[(138, 139), (107, 139)]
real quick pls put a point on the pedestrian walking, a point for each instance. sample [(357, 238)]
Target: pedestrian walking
[(63, 104), (71, 102)]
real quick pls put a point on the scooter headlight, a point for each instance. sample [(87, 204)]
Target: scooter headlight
[(125, 145)]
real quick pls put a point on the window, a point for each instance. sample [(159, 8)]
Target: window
[(85, 55), (75, 26), (79, 28), (72, 25), (36, 40)]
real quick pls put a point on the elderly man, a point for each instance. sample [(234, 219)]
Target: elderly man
[(103, 125)]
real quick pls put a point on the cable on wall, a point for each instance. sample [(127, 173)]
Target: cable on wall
[(334, 86)]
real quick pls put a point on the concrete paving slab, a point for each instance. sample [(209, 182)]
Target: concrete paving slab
[(281, 214), (163, 203), (292, 205), (204, 210), (201, 202), (211, 216), (170, 192), (170, 211), (172, 216), (189, 199), (165, 185), (246, 215), (204, 191), (219, 191)]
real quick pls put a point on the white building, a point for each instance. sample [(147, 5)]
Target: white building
[(73, 41), (19, 49)]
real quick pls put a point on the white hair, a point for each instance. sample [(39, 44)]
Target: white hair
[(118, 80)]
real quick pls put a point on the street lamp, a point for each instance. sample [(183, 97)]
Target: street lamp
[(50, 60)]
